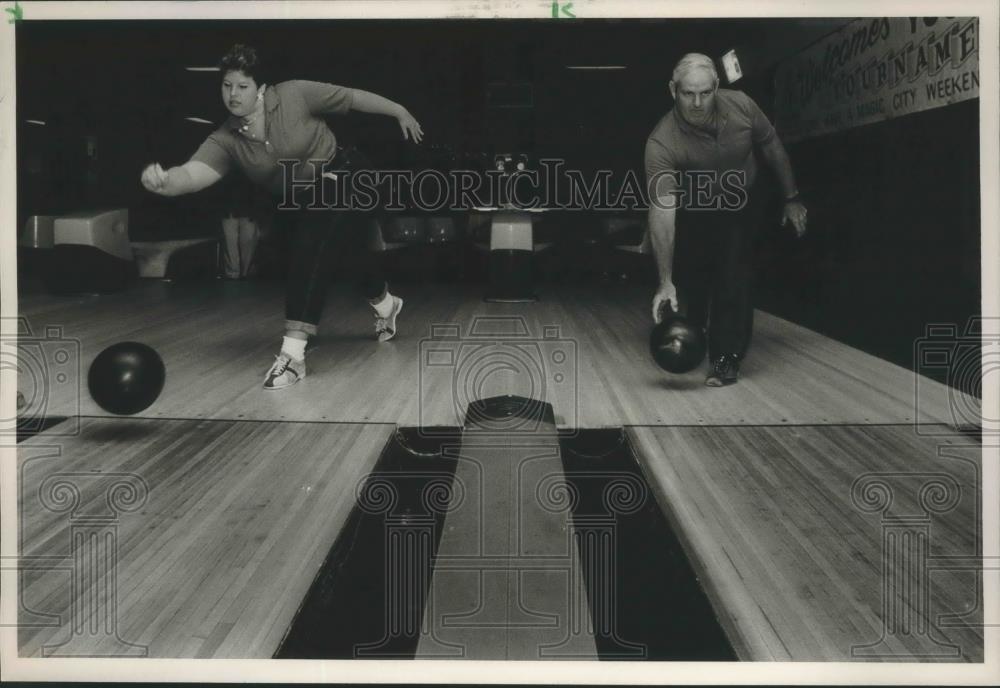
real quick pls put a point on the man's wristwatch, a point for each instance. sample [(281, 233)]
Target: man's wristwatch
[(792, 199)]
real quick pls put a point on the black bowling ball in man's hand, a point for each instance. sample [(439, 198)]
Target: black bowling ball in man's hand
[(677, 345), (126, 378)]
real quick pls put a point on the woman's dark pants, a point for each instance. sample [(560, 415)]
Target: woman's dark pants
[(318, 235)]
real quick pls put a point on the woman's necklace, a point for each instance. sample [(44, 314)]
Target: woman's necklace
[(247, 121), (247, 127)]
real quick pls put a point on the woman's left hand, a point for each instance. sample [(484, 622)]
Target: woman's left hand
[(410, 126)]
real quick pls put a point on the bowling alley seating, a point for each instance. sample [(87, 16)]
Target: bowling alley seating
[(34, 247), (90, 252), (443, 229), (628, 233), (397, 231), (582, 247), (628, 236), (38, 233), (445, 236), (420, 246), (402, 240), (175, 241), (411, 227), (177, 258)]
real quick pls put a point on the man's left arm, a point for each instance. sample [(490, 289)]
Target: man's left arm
[(776, 157)]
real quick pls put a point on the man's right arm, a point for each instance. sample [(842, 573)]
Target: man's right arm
[(662, 228), (662, 182)]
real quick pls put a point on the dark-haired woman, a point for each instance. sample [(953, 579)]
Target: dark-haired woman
[(285, 123)]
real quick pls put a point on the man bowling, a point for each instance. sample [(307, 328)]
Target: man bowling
[(701, 171)]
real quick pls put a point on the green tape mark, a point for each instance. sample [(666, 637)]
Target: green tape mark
[(566, 8), (16, 13)]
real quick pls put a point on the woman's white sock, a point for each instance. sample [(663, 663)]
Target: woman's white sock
[(296, 348), (384, 307)]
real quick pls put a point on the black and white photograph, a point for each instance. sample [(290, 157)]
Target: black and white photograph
[(500, 341)]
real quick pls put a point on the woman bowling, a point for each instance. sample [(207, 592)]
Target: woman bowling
[(285, 123)]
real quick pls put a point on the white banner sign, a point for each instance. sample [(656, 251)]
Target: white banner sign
[(875, 69)]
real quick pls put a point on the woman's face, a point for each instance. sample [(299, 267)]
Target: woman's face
[(239, 93)]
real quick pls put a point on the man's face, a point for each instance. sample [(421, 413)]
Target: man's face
[(694, 95)]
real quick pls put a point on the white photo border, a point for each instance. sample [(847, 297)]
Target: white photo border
[(418, 671)]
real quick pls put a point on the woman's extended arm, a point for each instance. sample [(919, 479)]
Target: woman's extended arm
[(190, 177), (375, 104)]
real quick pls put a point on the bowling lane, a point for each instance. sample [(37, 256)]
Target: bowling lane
[(217, 528), (790, 529), (218, 339)]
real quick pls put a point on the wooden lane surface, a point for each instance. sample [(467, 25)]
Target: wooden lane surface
[(238, 519), (218, 339), (791, 563)]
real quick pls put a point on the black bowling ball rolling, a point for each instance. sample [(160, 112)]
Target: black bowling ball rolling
[(676, 345), (126, 378)]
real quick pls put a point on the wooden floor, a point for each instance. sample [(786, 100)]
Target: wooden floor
[(217, 342), (236, 521), (792, 561), (246, 490)]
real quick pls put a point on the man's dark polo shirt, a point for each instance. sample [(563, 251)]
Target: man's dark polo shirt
[(674, 145)]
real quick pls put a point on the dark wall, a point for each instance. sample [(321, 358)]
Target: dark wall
[(894, 238), (894, 241)]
